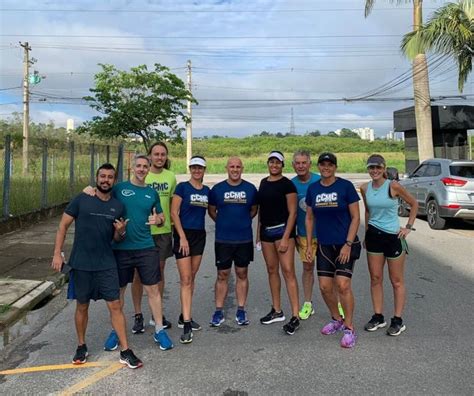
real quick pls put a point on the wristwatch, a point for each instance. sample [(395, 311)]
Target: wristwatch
[(410, 227)]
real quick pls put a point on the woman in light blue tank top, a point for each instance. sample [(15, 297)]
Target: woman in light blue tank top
[(385, 241)]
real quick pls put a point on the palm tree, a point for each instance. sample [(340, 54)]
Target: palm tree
[(421, 87), (450, 31)]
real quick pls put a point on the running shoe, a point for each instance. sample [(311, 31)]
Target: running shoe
[(166, 323), (273, 317), (163, 340), (306, 311), (396, 327), (377, 322), (340, 309), (138, 326), (186, 338), (112, 342), (241, 317), (349, 338), (332, 327), (128, 357), (217, 319), (194, 325), (292, 326), (81, 355)]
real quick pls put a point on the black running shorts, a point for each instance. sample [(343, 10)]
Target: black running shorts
[(378, 242), (328, 265), (164, 244), (241, 254), (196, 240), (96, 285), (145, 261)]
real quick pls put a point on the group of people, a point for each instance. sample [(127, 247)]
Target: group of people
[(125, 232)]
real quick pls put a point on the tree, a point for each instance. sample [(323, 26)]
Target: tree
[(348, 133), (332, 134), (450, 31), (147, 104), (314, 133), (421, 87)]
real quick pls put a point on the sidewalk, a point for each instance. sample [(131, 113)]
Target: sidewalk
[(26, 277)]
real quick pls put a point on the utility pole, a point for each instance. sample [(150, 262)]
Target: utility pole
[(26, 104), (189, 126)]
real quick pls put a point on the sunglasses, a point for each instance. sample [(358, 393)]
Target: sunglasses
[(373, 167)]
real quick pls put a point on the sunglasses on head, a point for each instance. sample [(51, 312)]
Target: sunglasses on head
[(372, 167)]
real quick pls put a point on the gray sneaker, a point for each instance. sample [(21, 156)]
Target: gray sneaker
[(377, 322), (396, 327)]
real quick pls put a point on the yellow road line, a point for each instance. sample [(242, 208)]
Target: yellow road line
[(53, 367), (114, 367)]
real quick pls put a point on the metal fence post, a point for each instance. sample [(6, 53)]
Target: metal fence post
[(71, 169), (6, 177), (120, 163), (44, 175), (92, 178)]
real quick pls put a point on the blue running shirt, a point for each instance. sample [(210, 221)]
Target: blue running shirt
[(94, 232), (193, 205), (139, 203), (233, 203), (330, 207), (302, 189)]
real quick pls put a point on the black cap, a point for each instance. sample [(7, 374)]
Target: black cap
[(327, 157)]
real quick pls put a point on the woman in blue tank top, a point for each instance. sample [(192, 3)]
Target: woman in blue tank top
[(385, 241)]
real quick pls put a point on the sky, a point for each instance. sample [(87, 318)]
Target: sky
[(254, 64)]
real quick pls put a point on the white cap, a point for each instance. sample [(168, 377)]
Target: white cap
[(197, 161), (277, 155)]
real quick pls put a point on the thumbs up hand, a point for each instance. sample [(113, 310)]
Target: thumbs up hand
[(156, 218)]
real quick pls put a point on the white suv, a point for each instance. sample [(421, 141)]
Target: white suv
[(444, 189)]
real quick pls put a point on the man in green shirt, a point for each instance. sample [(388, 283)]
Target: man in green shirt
[(163, 181)]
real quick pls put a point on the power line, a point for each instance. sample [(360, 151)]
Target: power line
[(203, 37)]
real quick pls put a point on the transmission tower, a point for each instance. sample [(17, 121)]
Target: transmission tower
[(292, 123)]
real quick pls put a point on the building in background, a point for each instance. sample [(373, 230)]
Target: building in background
[(365, 133)]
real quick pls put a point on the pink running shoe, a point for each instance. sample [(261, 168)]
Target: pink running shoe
[(332, 327), (349, 338)]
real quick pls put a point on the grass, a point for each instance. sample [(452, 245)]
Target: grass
[(348, 163), (4, 308)]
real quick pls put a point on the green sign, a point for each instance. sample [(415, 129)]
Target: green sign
[(34, 79)]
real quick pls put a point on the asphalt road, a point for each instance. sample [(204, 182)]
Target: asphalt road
[(434, 355)]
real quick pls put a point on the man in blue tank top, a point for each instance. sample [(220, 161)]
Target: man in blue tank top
[(232, 205), (304, 177)]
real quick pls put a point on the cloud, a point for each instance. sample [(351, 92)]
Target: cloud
[(331, 53)]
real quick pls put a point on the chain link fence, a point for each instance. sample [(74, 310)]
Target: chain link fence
[(57, 170)]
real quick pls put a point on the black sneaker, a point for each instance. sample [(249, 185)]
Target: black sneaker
[(194, 325), (166, 323), (128, 357), (186, 338), (138, 325), (396, 327), (272, 317), (81, 355), (292, 326), (377, 322)]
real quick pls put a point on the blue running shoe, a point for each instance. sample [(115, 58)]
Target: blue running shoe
[(241, 317), (112, 342), (217, 319), (163, 340)]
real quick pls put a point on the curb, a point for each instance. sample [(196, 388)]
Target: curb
[(25, 303)]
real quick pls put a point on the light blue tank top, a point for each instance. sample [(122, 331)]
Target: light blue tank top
[(383, 210)]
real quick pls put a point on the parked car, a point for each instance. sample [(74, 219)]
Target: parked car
[(444, 190)]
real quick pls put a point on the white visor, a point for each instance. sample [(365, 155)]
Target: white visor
[(278, 156), (197, 161)]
